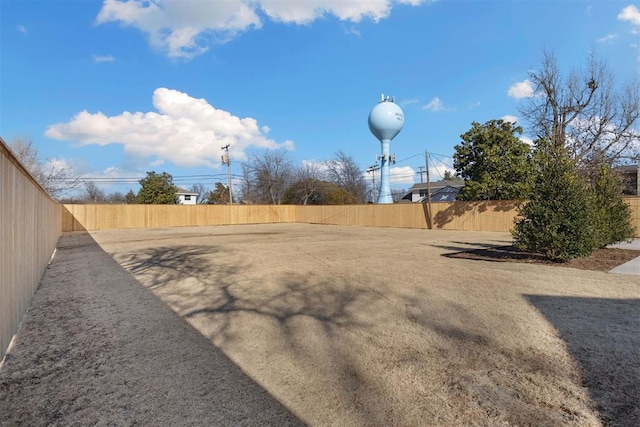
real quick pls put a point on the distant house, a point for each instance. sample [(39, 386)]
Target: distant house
[(630, 176), (186, 197), (441, 191)]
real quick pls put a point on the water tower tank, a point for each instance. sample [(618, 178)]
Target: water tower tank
[(386, 119), (385, 122)]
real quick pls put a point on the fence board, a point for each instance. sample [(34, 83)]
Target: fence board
[(30, 225)]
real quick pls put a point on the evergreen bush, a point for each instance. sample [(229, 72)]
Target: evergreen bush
[(613, 214), (559, 220)]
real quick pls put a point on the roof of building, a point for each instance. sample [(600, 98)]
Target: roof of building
[(443, 192), (186, 192), (455, 183), (628, 168)]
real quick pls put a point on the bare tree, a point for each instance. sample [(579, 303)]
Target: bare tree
[(93, 193), (116, 197), (584, 111), (203, 194), (55, 176), (308, 181), (266, 177), (397, 194), (345, 172)]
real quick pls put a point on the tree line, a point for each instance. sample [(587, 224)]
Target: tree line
[(268, 177)]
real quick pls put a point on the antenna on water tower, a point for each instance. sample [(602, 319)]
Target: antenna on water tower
[(385, 122)]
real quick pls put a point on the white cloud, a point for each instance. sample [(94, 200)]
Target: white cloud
[(103, 58), (185, 131), (402, 175), (184, 28), (22, 29), (434, 105), (607, 38), (631, 14), (438, 167), (409, 101), (526, 140), (522, 89), (352, 31), (509, 118), (473, 105)]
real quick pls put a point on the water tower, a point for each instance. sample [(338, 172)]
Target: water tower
[(385, 122)]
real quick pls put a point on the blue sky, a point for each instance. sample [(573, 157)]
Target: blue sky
[(118, 88)]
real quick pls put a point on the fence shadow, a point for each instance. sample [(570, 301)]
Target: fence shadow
[(98, 347), (603, 336)]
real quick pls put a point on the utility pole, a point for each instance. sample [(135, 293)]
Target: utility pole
[(226, 161), (426, 159), (372, 170), (421, 173)]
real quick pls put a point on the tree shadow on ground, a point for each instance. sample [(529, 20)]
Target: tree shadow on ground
[(98, 348), (603, 335), (221, 295), (217, 288), (458, 209), (496, 381), (468, 247), (316, 321)]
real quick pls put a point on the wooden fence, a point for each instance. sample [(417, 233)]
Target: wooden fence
[(102, 217), (479, 216), (30, 225), (469, 216)]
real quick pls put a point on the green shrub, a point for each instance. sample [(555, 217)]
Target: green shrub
[(559, 220), (613, 215)]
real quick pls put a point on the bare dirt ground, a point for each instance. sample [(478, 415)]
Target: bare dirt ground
[(601, 260), (340, 325)]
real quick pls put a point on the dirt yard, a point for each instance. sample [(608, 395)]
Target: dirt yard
[(368, 326)]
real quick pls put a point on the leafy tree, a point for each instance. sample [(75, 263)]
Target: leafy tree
[(494, 162), (584, 111), (54, 175), (317, 192), (345, 172), (449, 176), (219, 195), (337, 195), (306, 191), (309, 186), (157, 189), (130, 198), (613, 215), (559, 220)]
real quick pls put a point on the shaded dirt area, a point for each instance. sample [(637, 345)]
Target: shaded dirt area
[(97, 348), (600, 260), (327, 325)]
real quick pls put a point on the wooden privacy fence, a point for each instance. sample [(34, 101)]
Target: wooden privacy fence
[(102, 217), (468, 216), (30, 225), (479, 216)]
